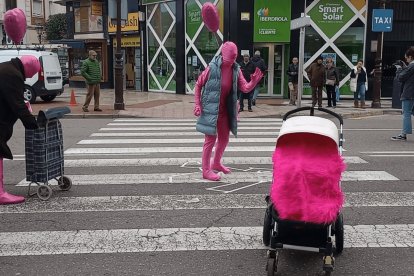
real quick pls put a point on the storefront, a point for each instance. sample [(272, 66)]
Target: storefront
[(338, 31), (88, 34), (161, 45), (131, 49), (271, 37)]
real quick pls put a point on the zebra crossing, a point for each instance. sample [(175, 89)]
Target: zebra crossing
[(162, 157)]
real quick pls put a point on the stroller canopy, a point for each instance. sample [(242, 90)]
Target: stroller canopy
[(307, 169), (309, 124)]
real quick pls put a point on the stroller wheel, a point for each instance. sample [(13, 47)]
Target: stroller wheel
[(339, 234), (272, 262), (267, 226)]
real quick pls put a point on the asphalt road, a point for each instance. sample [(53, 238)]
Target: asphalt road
[(140, 207)]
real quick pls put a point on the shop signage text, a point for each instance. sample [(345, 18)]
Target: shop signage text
[(382, 20), (128, 41), (131, 24), (272, 20), (331, 16)]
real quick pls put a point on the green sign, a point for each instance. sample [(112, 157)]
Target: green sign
[(272, 20), (193, 20), (330, 16)]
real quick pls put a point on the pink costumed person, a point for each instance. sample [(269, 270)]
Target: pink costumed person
[(12, 107), (216, 106)]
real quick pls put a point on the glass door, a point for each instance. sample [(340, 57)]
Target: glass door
[(273, 56)]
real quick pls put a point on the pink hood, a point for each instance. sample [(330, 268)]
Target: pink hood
[(229, 52), (31, 65)]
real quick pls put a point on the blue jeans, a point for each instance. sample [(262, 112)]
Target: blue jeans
[(360, 92), (407, 109), (256, 92)]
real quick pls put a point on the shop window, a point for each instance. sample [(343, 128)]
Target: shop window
[(201, 44), (78, 55), (10, 4), (161, 47), (88, 16)]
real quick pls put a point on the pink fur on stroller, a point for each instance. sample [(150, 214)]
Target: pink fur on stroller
[(304, 207), (307, 168)]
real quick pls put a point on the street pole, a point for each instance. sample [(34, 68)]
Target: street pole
[(301, 63), (376, 95), (119, 93)]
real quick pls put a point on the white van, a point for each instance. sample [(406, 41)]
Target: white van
[(47, 84)]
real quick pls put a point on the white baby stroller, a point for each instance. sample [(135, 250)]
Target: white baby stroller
[(305, 199)]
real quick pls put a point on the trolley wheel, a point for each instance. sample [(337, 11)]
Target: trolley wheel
[(65, 183), (44, 192), (267, 225), (339, 234), (272, 262)]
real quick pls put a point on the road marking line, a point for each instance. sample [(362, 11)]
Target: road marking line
[(195, 120), (169, 141), (189, 202), (388, 152), (181, 239), (393, 155), (186, 178), (184, 162), (179, 128), (191, 124), (167, 134)]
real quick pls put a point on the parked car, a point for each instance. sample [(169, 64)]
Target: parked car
[(47, 83)]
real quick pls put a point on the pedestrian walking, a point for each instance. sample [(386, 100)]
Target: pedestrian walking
[(12, 107), (292, 73), (91, 71), (359, 83), (332, 81), (217, 106), (406, 77), (247, 68), (316, 74), (260, 63)]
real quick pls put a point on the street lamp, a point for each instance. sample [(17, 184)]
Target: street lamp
[(39, 31), (119, 93)]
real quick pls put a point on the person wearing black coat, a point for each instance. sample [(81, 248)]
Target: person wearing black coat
[(13, 107), (247, 68), (259, 63)]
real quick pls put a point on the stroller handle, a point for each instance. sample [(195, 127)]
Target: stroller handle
[(312, 110)]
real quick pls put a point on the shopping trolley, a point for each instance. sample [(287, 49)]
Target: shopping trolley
[(44, 153)]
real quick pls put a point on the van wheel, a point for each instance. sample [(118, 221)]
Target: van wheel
[(48, 98), (29, 94)]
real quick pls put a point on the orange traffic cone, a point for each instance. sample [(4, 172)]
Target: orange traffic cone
[(72, 98)]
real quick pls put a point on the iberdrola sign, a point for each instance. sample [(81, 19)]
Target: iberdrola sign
[(330, 15), (272, 20)]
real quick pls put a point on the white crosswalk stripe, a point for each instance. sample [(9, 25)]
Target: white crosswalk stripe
[(137, 146)]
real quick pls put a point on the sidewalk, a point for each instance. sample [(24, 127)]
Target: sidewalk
[(165, 105)]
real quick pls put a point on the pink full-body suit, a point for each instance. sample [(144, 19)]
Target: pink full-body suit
[(229, 55)]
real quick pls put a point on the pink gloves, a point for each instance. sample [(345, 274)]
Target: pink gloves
[(256, 76)]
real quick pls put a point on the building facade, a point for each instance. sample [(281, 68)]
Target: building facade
[(166, 45)]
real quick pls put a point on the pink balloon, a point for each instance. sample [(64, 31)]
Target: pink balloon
[(210, 16), (15, 24)]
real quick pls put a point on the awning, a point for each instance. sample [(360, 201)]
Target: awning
[(72, 43)]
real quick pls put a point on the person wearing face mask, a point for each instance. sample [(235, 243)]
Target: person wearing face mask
[(216, 106), (12, 107), (406, 77)]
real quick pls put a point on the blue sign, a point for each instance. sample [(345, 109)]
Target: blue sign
[(382, 20)]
